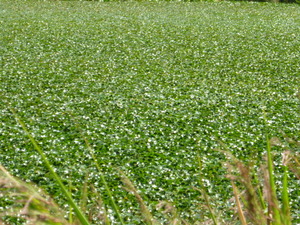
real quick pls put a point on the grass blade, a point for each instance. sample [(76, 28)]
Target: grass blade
[(99, 208), (66, 193), (259, 191), (148, 218), (205, 195), (29, 202), (91, 151), (238, 204), (286, 216), (114, 205), (273, 206), (84, 196), (70, 207), (273, 202)]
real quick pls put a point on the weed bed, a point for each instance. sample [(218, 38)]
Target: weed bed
[(151, 85)]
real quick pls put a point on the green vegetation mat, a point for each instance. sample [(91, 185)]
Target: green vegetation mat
[(151, 86)]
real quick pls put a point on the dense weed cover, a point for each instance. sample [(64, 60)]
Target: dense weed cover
[(151, 86)]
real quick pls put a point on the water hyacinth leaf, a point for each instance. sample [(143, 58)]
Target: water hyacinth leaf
[(150, 85)]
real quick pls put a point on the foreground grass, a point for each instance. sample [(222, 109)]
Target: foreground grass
[(151, 85), (257, 204)]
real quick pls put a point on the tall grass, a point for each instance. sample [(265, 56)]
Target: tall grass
[(256, 197), (28, 203), (252, 206), (48, 165)]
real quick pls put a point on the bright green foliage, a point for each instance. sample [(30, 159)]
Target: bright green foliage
[(150, 84)]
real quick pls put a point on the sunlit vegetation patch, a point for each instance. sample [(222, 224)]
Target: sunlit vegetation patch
[(150, 86)]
